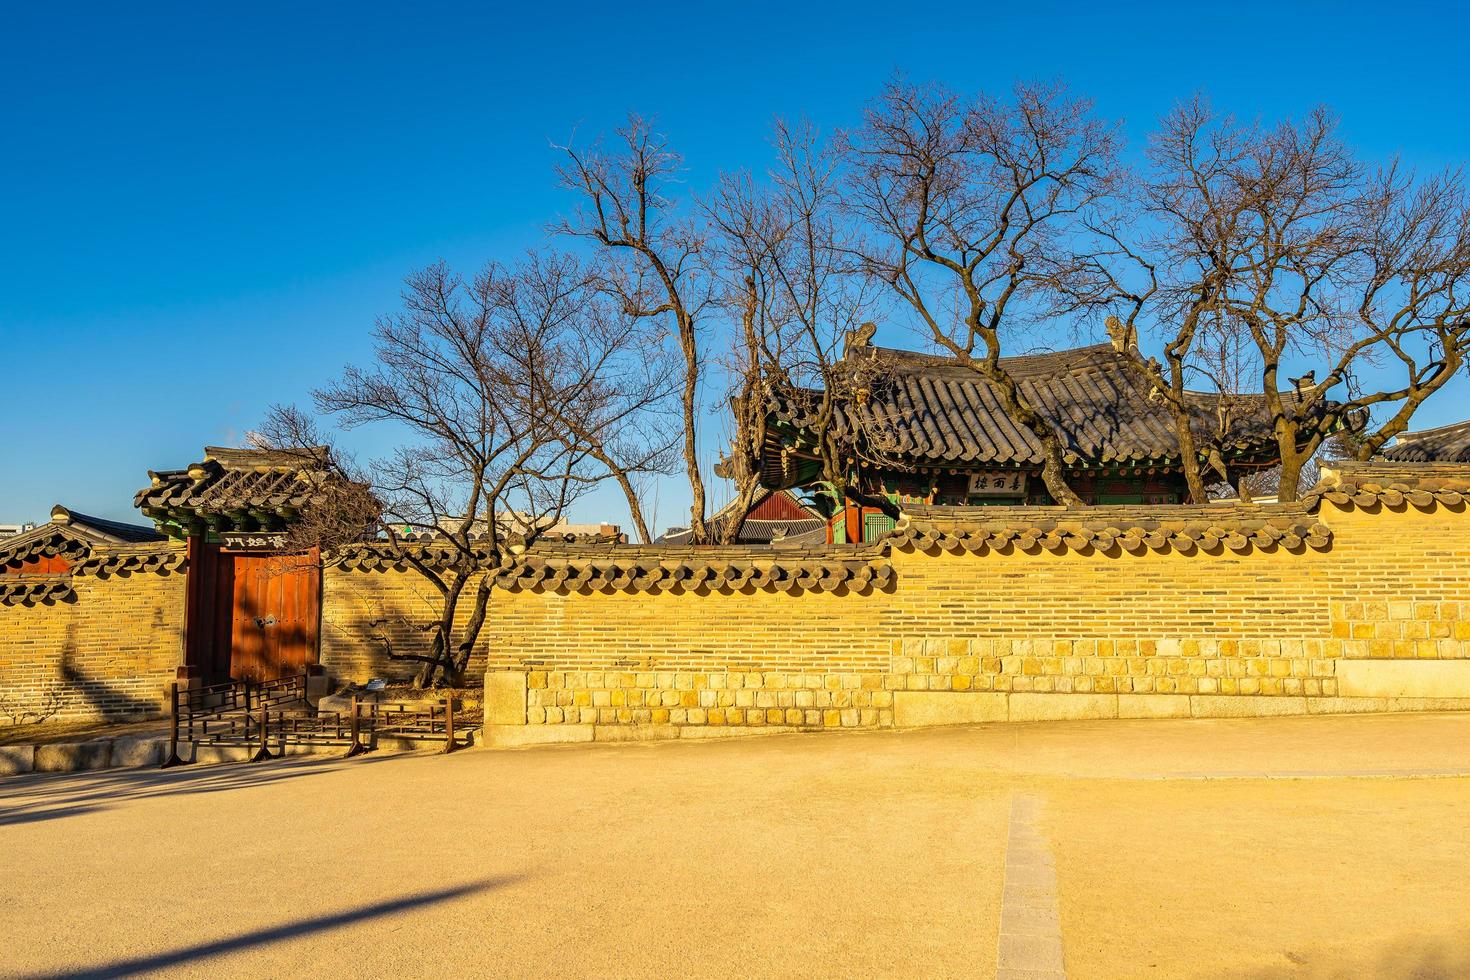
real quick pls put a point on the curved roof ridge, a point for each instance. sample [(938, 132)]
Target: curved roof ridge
[(1445, 443), (245, 456), (1035, 361), (101, 527), (1451, 427)]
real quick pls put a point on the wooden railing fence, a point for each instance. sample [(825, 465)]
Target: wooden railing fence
[(277, 713)]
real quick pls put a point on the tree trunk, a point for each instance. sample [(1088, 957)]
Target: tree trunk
[(1184, 431), (465, 648), (425, 677), (1053, 467), (635, 506), (1292, 461), (1055, 478), (729, 532), (442, 658), (1418, 393), (1189, 458), (698, 532)]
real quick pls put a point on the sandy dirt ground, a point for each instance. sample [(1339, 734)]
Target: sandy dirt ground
[(48, 732), (1313, 847)]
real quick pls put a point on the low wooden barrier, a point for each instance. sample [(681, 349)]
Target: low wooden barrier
[(259, 715)]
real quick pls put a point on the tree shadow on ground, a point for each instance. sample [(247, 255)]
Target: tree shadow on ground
[(281, 933), (1409, 958), (49, 796)]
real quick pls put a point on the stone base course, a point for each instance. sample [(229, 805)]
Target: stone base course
[(1405, 679), (924, 710), (17, 759), (73, 756)]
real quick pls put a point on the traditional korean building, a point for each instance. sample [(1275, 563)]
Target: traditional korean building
[(776, 517), (251, 612), (929, 430), (37, 563), (1446, 444)]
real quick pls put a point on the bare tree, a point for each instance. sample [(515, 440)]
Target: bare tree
[(976, 208), (744, 224), (1278, 241), (623, 419), (802, 298), (656, 259), (503, 394)]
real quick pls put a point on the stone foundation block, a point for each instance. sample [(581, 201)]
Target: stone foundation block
[(1153, 706), (1244, 706), (17, 759), (1404, 678), (1061, 707), (73, 756), (1345, 706), (505, 698), (211, 754), (512, 736), (1429, 704), (386, 743), (914, 709), (634, 733), (732, 731), (138, 751)]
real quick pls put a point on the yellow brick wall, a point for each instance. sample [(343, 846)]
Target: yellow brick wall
[(109, 652), (365, 614), (1393, 584)]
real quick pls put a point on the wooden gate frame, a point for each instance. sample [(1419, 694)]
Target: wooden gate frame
[(207, 633)]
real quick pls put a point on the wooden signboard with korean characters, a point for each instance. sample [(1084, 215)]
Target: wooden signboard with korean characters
[(997, 483)]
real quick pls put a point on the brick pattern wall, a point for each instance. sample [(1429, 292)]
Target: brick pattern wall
[(732, 698), (367, 614), (1406, 595), (109, 652), (1395, 583)]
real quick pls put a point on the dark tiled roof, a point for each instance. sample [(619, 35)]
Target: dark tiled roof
[(100, 529), (268, 486), (769, 532), (46, 541), (153, 556), (811, 531), (1135, 529), (72, 535), (27, 590), (932, 410), (767, 570), (1392, 483), (1447, 444), (667, 568), (797, 523), (1211, 529)]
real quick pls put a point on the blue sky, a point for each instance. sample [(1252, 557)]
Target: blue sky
[(203, 207)]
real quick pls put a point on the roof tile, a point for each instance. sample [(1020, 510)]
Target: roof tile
[(933, 410)]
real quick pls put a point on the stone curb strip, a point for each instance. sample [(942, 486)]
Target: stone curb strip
[(1030, 946)]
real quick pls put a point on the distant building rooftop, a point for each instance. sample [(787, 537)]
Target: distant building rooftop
[(1446, 444)]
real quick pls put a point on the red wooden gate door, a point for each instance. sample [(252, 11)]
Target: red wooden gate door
[(275, 613)]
